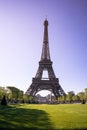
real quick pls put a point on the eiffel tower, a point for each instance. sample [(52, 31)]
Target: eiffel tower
[(45, 64)]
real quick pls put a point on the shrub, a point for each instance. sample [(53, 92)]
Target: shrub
[(3, 101)]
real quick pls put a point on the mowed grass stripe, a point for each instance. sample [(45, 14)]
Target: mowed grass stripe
[(67, 115), (43, 116)]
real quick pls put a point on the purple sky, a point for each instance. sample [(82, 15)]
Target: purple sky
[(21, 39)]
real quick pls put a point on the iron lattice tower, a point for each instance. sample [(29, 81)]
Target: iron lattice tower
[(51, 83)]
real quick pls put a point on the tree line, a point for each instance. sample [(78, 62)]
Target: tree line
[(71, 97), (15, 95)]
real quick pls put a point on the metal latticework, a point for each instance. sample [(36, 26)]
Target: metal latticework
[(52, 83), (45, 49)]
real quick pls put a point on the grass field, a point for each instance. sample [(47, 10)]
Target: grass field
[(37, 117)]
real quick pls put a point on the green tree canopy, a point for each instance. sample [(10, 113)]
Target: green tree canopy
[(3, 92), (14, 93)]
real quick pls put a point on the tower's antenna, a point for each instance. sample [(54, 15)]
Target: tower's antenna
[(46, 17)]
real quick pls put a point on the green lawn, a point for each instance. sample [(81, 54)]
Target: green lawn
[(37, 117)]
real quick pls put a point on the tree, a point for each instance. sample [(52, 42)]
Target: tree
[(81, 96), (20, 95), (69, 96), (61, 99), (3, 101), (2, 92), (28, 99), (76, 98), (14, 93), (86, 94)]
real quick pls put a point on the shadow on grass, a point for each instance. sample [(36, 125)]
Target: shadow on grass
[(22, 118)]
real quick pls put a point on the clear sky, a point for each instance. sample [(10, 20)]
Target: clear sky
[(21, 39)]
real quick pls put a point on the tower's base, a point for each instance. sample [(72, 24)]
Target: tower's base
[(50, 85)]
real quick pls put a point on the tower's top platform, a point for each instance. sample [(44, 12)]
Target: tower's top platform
[(46, 22)]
